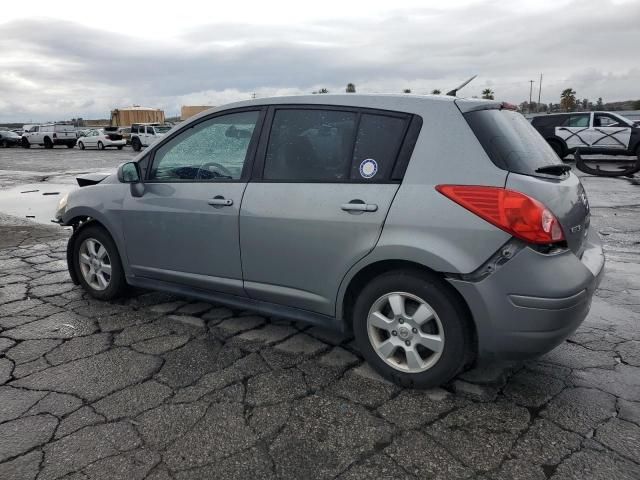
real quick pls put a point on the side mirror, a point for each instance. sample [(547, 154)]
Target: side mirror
[(129, 173)]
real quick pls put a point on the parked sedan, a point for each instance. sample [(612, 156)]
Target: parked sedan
[(9, 139), (102, 138)]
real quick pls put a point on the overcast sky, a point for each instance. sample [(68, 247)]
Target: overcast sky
[(60, 60)]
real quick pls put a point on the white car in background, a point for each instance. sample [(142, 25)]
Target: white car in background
[(102, 138), (144, 134)]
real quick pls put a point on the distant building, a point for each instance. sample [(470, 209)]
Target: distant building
[(188, 111), (124, 117)]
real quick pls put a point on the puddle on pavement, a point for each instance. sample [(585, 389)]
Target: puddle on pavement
[(34, 201)]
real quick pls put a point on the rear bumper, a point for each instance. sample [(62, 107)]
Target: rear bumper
[(114, 143), (534, 301)]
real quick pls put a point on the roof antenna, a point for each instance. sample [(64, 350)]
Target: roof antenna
[(452, 93)]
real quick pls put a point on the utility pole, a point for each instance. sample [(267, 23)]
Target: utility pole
[(539, 92), (530, 94)]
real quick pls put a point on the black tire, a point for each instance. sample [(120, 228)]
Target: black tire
[(81, 145), (25, 143), (100, 146), (120, 147), (136, 145), (71, 145), (48, 143), (558, 148), (117, 284), (448, 307), (4, 144)]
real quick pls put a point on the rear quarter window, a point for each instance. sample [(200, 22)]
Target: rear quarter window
[(510, 141)]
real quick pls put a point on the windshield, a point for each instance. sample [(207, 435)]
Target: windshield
[(162, 129), (511, 142)]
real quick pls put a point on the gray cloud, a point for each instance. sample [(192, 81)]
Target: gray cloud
[(57, 69)]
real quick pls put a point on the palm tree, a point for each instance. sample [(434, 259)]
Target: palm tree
[(436, 92), (406, 90), (351, 88), (487, 94), (568, 99)]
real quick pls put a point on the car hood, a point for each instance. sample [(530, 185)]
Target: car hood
[(91, 178)]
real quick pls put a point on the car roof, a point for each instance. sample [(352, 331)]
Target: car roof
[(402, 102)]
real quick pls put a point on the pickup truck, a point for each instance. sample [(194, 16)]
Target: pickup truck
[(50, 135)]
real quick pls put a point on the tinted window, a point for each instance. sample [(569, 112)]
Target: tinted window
[(577, 121), (510, 141), (377, 144), (547, 121), (312, 145), (215, 149)]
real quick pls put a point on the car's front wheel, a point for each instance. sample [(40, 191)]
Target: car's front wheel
[(81, 145), (136, 144), (97, 263), (412, 329), (25, 143)]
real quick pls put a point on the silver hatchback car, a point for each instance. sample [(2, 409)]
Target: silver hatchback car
[(438, 230)]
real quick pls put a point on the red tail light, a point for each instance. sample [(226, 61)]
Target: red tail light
[(514, 212)]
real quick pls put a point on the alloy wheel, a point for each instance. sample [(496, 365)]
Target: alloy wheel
[(405, 332), (95, 264)]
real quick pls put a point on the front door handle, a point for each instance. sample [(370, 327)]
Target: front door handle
[(220, 201), (359, 206)]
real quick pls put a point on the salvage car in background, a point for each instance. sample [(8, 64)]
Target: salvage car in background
[(144, 134), (49, 135), (605, 133), (9, 138), (102, 138), (435, 245)]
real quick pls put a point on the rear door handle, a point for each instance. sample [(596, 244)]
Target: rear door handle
[(220, 201), (359, 206)]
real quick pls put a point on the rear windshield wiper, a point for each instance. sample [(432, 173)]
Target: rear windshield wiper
[(557, 169)]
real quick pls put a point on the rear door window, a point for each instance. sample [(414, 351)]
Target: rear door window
[(510, 141), (310, 145), (377, 145), (318, 145)]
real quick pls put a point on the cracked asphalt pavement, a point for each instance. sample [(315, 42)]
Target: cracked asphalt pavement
[(155, 386)]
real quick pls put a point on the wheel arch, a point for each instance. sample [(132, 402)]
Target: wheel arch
[(80, 218), (359, 279), (559, 141)]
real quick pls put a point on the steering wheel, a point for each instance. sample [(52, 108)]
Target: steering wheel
[(222, 171)]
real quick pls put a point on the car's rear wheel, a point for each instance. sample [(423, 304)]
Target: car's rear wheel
[(81, 145), (100, 146), (4, 144), (70, 145), (136, 145), (48, 143), (97, 264), (25, 143), (412, 329), (120, 147)]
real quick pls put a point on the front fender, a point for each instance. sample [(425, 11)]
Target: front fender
[(103, 205)]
